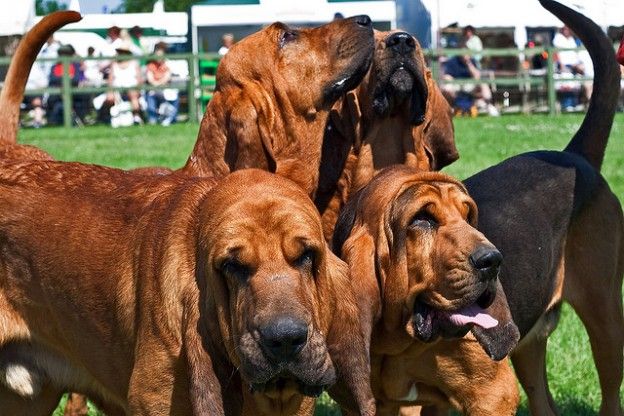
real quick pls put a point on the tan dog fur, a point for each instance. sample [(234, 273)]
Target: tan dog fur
[(363, 138), (274, 92), (146, 310), (399, 263)]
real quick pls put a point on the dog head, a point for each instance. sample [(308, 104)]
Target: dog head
[(396, 81), (281, 296), (309, 68), (435, 273), (273, 95)]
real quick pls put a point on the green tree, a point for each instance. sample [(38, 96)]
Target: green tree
[(134, 6), (43, 7)]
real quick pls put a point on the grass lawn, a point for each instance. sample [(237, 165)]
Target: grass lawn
[(482, 142)]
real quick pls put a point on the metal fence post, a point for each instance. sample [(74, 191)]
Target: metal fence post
[(67, 93), (192, 101), (550, 82)]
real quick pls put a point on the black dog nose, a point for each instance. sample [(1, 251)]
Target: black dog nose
[(363, 20), (487, 260), (401, 42), (283, 338)]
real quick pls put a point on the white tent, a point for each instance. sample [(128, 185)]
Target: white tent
[(516, 14), (173, 23), (17, 16)]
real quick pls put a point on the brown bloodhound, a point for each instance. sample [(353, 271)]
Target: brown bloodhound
[(274, 92), (397, 115), (347, 54), (425, 278), (171, 295)]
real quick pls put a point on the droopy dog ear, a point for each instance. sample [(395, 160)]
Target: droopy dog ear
[(437, 132), (373, 258), (251, 117), (348, 344), (204, 386)]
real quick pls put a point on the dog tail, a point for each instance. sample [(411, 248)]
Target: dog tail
[(15, 82), (590, 141)]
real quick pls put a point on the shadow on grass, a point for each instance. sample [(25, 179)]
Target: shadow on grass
[(567, 407), (570, 407)]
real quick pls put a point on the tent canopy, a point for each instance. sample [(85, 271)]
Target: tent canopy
[(17, 18), (517, 14)]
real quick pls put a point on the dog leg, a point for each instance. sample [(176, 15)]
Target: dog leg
[(76, 405), (44, 404), (593, 286), (529, 361)]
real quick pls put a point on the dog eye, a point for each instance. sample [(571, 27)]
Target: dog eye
[(233, 267), (306, 259), (423, 219), (287, 36)]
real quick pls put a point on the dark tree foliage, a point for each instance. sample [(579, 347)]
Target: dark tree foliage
[(134, 6), (43, 7)]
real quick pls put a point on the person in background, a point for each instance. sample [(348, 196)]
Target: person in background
[(112, 35), (474, 43), (49, 50), (162, 105), (568, 65), (126, 73), (538, 61), (567, 61), (92, 69), (37, 79), (55, 102), (228, 41), (136, 37)]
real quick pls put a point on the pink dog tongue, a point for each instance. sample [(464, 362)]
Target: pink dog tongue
[(473, 315)]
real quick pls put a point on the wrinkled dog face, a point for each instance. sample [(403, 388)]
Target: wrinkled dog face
[(398, 76), (452, 268), (312, 67), (269, 257)]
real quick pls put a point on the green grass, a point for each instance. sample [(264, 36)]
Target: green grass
[(482, 142)]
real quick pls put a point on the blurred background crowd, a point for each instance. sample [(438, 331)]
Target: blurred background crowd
[(125, 66)]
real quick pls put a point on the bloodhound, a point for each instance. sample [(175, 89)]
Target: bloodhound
[(397, 115), (274, 92), (425, 277), (556, 222), (345, 46), (171, 295), (566, 238)]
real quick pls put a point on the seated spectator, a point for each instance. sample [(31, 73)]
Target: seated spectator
[(568, 65), (93, 69), (37, 79), (469, 98), (228, 41), (567, 61), (55, 102), (473, 42), (126, 73), (137, 39), (162, 105), (538, 61)]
